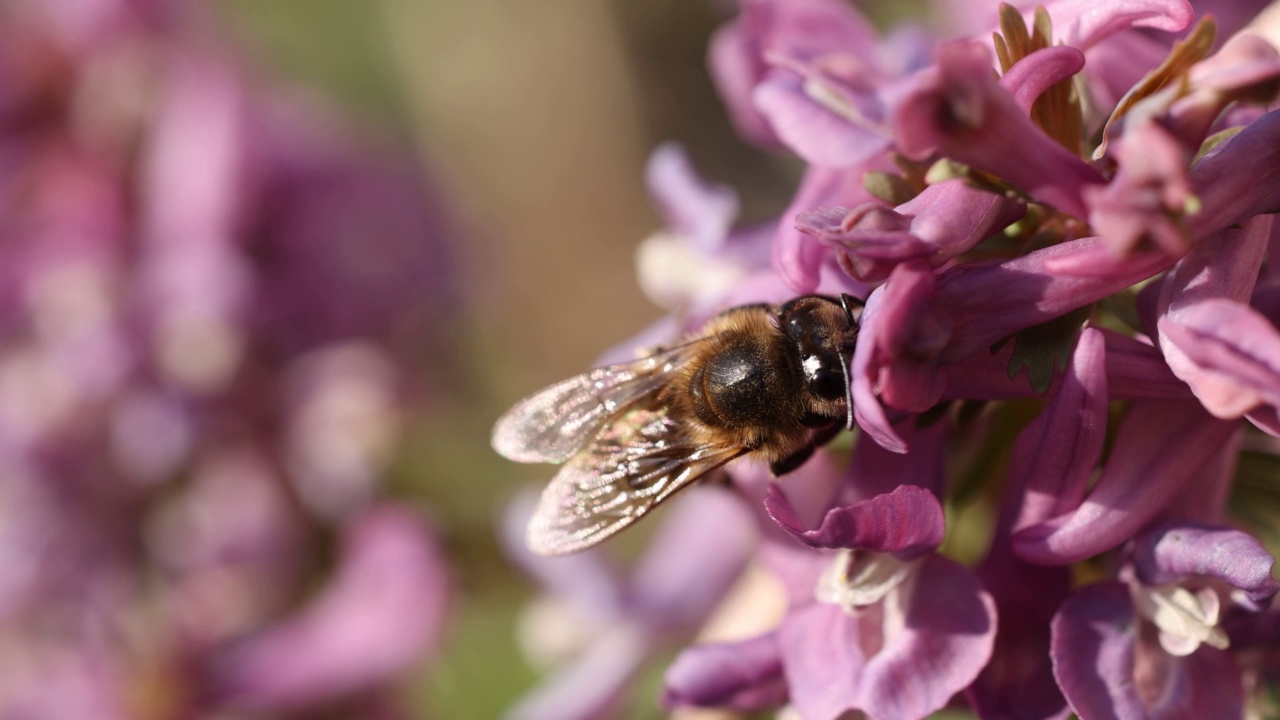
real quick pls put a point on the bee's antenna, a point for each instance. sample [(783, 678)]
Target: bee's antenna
[(848, 389), (849, 302)]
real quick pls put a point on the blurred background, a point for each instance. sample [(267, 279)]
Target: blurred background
[(269, 271)]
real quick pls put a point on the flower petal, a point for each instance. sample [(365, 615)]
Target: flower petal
[(907, 521), (946, 639), (802, 30), (1135, 371), (813, 130), (1035, 287), (1096, 653), (690, 206), (1018, 682), (798, 257), (1175, 551), (822, 660), (1054, 457), (1093, 639), (690, 563), (961, 112), (902, 658), (592, 686), (1083, 23), (1161, 447), (1240, 179), (943, 221), (1228, 353), (881, 341), (1149, 195), (745, 675), (379, 616), (1037, 72)]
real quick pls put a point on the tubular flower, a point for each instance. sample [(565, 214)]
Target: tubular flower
[(1061, 225)]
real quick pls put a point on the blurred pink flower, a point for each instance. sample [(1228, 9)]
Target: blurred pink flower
[(206, 282)]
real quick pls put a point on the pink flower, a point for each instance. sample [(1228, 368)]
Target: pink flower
[(1064, 240)]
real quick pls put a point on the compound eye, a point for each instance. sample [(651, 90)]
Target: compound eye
[(827, 384)]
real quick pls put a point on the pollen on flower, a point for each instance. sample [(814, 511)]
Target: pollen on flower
[(1185, 618), (856, 579)]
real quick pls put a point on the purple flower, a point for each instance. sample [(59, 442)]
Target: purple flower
[(379, 616), (1107, 661), (862, 620), (803, 74), (199, 383), (600, 627), (1068, 350)]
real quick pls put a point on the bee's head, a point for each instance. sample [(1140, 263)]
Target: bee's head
[(823, 330)]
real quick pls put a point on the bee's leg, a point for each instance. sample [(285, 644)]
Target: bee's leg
[(798, 458)]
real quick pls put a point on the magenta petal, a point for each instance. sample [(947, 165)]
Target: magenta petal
[(1148, 196), (1083, 23), (745, 675), (953, 217), (1135, 371), (835, 662), (1245, 69), (812, 131), (1210, 337), (1035, 287), (798, 257), (946, 641), (378, 617), (796, 29), (1049, 466), (1172, 552), (1053, 458), (943, 221), (961, 112), (1240, 179), (1228, 353), (876, 470), (893, 308), (1094, 634), (689, 205), (823, 661), (1161, 447), (894, 355), (907, 521), (1095, 653), (1037, 72), (736, 64), (1018, 682)]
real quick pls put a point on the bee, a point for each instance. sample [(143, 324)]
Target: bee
[(769, 382)]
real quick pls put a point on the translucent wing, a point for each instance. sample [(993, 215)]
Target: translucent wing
[(633, 464), (554, 423)]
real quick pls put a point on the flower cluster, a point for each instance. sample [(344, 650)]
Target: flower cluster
[(211, 298), (1063, 233)]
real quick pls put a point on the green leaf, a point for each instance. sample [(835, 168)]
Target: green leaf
[(1046, 347)]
